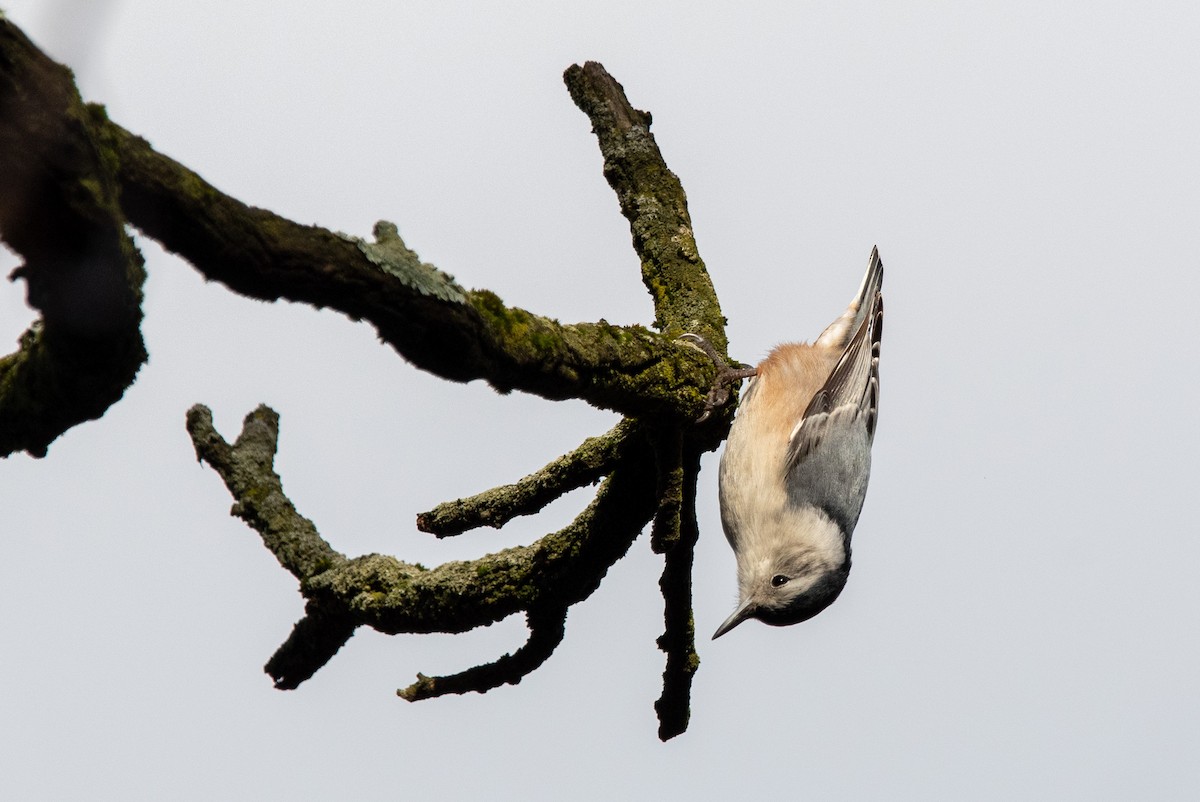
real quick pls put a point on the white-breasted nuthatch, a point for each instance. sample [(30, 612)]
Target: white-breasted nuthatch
[(794, 473)]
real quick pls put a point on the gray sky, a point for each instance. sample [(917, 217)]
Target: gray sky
[(1023, 615)]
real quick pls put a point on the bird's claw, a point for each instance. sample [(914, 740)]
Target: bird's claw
[(718, 394)]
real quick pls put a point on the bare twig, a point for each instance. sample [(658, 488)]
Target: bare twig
[(668, 453), (546, 630), (594, 458), (248, 470), (679, 636)]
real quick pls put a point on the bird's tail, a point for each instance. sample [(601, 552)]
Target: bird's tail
[(837, 335)]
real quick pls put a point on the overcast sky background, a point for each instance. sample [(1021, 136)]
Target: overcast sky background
[(1023, 616)]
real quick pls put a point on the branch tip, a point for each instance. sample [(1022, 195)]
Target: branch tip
[(546, 629), (247, 468), (587, 464), (679, 636)]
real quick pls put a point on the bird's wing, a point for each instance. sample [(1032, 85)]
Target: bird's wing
[(829, 451), (851, 393), (849, 396)]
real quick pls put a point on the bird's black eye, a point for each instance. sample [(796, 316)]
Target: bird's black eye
[(778, 579)]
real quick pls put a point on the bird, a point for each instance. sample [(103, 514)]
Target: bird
[(794, 474)]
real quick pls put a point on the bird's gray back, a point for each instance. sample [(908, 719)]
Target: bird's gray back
[(833, 476)]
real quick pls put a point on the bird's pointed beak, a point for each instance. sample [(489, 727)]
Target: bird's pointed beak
[(745, 610)]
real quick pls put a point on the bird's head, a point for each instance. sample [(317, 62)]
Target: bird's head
[(787, 584)]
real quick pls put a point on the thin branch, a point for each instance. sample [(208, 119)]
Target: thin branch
[(594, 458), (58, 210), (668, 452), (392, 596), (679, 636), (546, 629), (247, 468), (559, 569)]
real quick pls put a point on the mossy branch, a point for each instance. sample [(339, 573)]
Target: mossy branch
[(653, 200), (72, 178), (649, 465), (457, 334), (248, 470), (392, 596)]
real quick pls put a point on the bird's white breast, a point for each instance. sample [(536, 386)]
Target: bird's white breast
[(755, 508)]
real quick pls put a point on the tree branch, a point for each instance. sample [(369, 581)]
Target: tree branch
[(679, 637), (496, 507), (653, 201), (668, 453), (392, 596), (71, 178), (314, 640), (247, 468), (546, 631), (422, 312), (560, 569), (650, 464), (59, 211)]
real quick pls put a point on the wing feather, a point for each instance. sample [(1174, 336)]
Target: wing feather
[(850, 396)]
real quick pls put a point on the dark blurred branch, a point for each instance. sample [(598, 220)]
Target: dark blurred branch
[(314, 640), (59, 212)]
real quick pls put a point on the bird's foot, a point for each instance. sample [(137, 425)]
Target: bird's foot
[(718, 395)]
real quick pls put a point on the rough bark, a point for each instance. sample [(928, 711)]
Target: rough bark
[(71, 179)]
